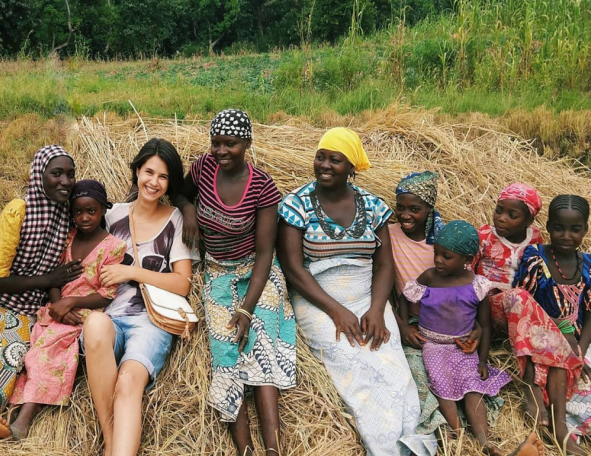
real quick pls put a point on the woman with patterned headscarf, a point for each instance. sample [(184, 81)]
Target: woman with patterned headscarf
[(418, 224), (250, 320), (335, 250), (33, 235), (412, 241)]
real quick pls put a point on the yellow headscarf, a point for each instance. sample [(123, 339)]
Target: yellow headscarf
[(347, 142)]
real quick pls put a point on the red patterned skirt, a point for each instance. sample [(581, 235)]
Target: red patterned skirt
[(534, 334)]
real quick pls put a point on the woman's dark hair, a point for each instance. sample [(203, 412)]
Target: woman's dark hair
[(574, 202), (169, 155)]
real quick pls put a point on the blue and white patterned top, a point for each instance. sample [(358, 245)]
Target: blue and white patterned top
[(301, 210)]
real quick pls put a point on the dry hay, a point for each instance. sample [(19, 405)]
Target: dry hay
[(177, 421)]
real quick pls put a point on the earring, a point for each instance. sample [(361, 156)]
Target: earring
[(352, 177), (465, 266)]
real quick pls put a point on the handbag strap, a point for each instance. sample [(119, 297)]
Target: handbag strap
[(138, 263)]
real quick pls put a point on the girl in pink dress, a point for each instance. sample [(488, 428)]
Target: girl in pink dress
[(52, 361)]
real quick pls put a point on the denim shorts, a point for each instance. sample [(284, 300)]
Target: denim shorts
[(138, 339)]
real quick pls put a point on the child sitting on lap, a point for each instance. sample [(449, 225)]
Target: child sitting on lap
[(448, 299), (52, 361)]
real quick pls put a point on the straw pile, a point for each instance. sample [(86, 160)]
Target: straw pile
[(474, 163)]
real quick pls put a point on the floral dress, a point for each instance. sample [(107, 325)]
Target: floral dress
[(497, 260), (52, 361)]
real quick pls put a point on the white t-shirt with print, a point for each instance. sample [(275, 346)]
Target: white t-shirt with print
[(157, 254)]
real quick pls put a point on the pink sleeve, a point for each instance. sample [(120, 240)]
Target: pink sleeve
[(414, 291)]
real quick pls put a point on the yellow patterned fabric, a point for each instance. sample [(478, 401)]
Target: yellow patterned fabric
[(11, 221), (15, 334)]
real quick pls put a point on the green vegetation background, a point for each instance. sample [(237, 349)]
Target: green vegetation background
[(308, 58)]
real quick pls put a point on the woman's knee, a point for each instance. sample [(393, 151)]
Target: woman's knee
[(98, 331), (131, 381)]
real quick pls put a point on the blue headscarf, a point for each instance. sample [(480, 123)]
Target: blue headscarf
[(424, 185), (459, 237)]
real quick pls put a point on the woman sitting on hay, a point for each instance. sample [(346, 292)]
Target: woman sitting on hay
[(250, 320), (335, 250), (124, 350), (32, 237)]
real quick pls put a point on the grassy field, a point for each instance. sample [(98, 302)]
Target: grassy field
[(526, 64)]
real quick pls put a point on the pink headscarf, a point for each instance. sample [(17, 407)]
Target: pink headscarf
[(522, 192)]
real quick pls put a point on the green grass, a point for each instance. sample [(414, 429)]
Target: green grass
[(489, 56)]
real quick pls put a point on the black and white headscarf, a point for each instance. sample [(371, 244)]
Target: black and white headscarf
[(231, 122), (42, 236)]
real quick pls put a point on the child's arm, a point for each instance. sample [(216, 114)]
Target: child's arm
[(64, 306), (473, 341), (55, 294), (408, 333), (484, 321)]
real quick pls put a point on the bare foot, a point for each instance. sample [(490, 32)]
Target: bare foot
[(535, 405), (5, 431), (490, 449), (19, 431), (573, 449), (532, 446)]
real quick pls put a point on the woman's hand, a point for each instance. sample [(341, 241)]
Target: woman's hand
[(483, 370), (473, 341), (58, 310), (411, 336), (347, 322), (116, 274), (373, 326), (65, 273), (72, 318), (242, 324)]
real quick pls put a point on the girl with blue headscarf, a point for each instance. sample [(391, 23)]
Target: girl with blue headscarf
[(449, 298)]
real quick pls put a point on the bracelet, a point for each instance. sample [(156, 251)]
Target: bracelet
[(244, 312), (566, 327)]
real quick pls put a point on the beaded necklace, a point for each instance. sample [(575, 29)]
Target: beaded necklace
[(560, 270), (355, 231)]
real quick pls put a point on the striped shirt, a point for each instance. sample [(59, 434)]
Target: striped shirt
[(297, 210), (228, 232), (411, 258)]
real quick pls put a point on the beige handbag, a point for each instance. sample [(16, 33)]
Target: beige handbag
[(169, 311)]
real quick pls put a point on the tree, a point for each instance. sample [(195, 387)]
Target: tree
[(212, 20)]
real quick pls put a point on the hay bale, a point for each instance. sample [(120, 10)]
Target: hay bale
[(475, 163)]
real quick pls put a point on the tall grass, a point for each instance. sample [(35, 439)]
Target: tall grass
[(489, 56)]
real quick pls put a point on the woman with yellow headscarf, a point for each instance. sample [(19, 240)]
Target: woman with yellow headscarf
[(334, 249)]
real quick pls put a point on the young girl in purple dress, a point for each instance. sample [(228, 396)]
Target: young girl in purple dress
[(448, 299)]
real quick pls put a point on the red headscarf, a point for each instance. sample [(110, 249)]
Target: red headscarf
[(522, 192)]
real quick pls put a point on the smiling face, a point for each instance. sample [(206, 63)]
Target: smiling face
[(412, 213), (229, 151), (87, 213), (511, 219), (567, 229), (331, 168), (152, 179), (448, 262), (59, 179)]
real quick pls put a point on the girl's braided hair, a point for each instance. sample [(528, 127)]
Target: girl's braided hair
[(574, 202)]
